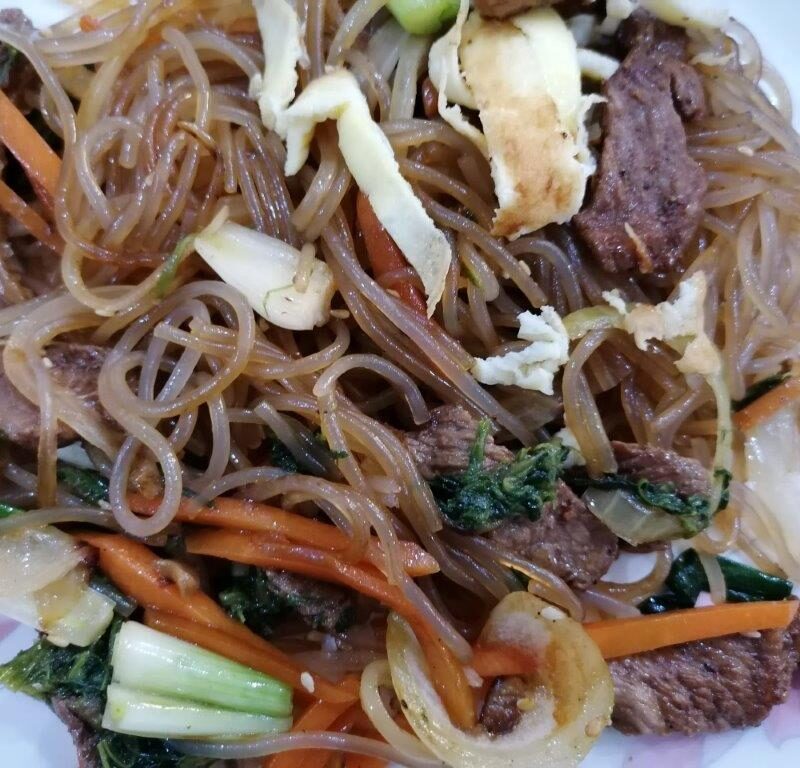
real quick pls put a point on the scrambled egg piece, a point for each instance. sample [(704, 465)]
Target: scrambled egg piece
[(283, 50), (370, 158), (534, 366), (680, 322), (567, 438), (526, 81), (524, 78), (445, 73)]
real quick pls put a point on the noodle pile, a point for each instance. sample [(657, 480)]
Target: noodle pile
[(165, 136)]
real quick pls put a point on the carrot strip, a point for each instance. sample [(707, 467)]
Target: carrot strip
[(257, 549), (494, 660), (385, 256), (134, 569), (759, 411), (449, 681), (363, 761), (623, 637), (318, 716), (252, 516), (41, 164), (254, 549), (18, 209), (348, 722)]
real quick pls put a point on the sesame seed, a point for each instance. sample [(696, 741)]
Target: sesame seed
[(526, 704), (552, 613), (307, 681), (595, 727)]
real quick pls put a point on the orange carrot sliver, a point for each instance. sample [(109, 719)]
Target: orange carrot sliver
[(260, 550), (18, 209), (41, 164), (494, 660), (252, 516), (763, 409), (624, 637), (385, 256), (254, 549), (133, 568), (364, 761), (318, 716), (449, 680)]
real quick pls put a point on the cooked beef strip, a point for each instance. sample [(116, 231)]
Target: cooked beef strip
[(323, 606), (83, 737), (75, 367), (443, 445), (705, 686), (500, 712), (646, 462), (567, 539), (646, 199)]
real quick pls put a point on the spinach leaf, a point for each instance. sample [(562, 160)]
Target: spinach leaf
[(693, 512), (78, 677), (480, 498)]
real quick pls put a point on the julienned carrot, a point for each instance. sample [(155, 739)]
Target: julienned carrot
[(19, 210), (384, 255), (252, 516), (135, 570), (759, 411), (623, 637), (41, 164), (348, 722), (494, 660), (449, 680), (260, 550), (256, 549), (318, 716), (363, 761)]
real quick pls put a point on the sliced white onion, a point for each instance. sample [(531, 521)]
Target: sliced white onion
[(716, 578), (32, 558), (630, 519), (570, 692)]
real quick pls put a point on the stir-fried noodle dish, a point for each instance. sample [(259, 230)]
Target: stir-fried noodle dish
[(410, 383)]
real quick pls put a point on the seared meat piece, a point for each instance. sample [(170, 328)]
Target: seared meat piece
[(321, 605), (443, 445), (646, 200), (705, 686), (501, 9), (260, 597), (500, 712), (83, 736), (75, 367), (567, 539), (646, 462)]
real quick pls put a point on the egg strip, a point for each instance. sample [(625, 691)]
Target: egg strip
[(370, 158)]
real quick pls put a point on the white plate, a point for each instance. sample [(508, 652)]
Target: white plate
[(32, 737)]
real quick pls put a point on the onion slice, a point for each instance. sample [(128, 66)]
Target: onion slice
[(569, 695), (32, 558)]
